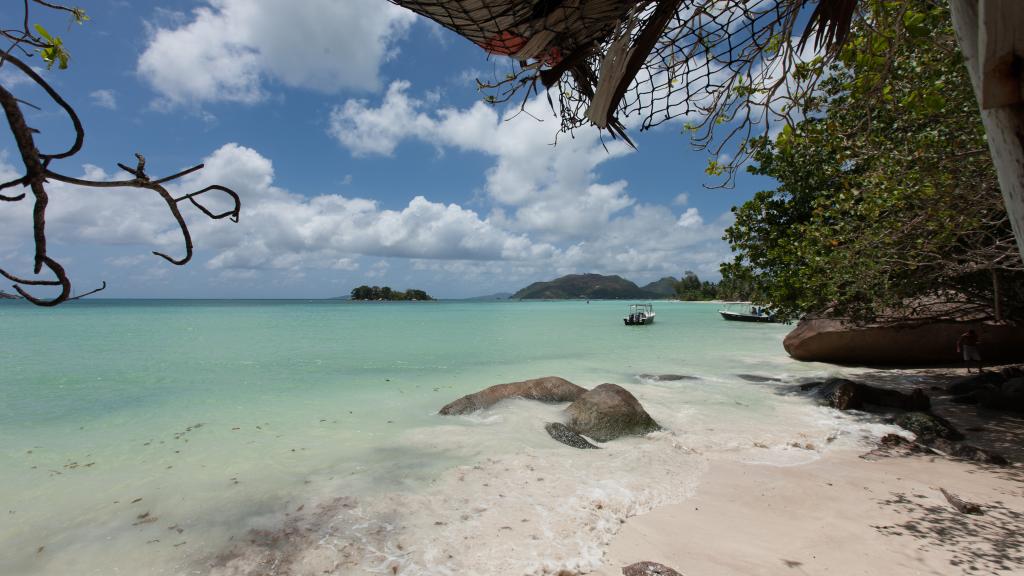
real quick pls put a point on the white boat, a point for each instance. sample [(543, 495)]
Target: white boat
[(746, 312), (639, 315)]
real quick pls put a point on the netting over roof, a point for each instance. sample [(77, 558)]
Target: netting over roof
[(612, 59)]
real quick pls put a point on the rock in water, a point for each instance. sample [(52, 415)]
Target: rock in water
[(551, 389), (608, 412), (975, 382), (927, 427), (648, 569), (839, 393), (561, 432), (843, 394)]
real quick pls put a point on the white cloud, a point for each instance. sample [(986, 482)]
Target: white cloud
[(104, 99), (283, 235), (230, 48), (682, 199), (551, 190)]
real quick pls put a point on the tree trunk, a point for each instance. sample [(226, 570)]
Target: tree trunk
[(1004, 125)]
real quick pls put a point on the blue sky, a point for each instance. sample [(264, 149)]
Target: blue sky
[(363, 155)]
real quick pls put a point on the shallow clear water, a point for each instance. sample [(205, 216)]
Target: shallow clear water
[(251, 437)]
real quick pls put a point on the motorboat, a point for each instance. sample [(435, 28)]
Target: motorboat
[(639, 315), (746, 312)]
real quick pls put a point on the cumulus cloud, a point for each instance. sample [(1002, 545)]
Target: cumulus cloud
[(550, 193), (104, 99), (229, 49), (538, 188), (281, 232)]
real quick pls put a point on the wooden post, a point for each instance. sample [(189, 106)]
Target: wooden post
[(987, 31)]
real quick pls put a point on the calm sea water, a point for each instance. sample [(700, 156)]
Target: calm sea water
[(293, 437)]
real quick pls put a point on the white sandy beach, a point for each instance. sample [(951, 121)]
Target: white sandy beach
[(849, 513)]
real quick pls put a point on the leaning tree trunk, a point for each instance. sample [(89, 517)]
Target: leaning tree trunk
[(997, 85)]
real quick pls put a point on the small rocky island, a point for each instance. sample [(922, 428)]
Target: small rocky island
[(386, 293)]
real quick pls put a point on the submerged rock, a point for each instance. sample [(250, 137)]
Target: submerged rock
[(757, 379), (667, 377), (563, 434), (608, 412), (550, 389)]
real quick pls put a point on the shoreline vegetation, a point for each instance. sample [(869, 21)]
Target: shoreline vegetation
[(689, 288)]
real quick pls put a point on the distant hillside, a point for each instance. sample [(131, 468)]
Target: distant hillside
[(498, 296), (584, 286), (665, 287)]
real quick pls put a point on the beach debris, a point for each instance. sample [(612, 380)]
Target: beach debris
[(176, 528), (40, 549), (144, 518), (563, 434), (549, 389), (136, 501), (648, 569), (962, 506), (608, 412)]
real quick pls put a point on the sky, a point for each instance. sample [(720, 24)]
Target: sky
[(363, 154)]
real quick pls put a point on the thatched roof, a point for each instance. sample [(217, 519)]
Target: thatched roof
[(604, 45)]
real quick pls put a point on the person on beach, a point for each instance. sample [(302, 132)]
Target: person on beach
[(967, 344)]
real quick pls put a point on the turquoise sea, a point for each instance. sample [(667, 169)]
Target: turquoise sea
[(301, 437)]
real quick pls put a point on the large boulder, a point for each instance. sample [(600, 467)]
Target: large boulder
[(550, 389), (608, 412), (834, 341)]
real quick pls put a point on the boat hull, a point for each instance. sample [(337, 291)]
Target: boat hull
[(642, 322), (737, 317)]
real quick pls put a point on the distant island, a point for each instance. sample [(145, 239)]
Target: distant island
[(386, 293), (496, 296), (600, 287), (585, 286)]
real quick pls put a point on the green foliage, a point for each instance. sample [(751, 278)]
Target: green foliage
[(365, 292), (54, 52), (52, 49), (690, 288), (887, 196)]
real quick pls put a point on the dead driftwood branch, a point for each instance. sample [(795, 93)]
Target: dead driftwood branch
[(962, 506), (38, 171)]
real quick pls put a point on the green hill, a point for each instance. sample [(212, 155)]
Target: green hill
[(584, 286), (664, 287)]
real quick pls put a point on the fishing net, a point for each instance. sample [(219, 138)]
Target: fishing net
[(652, 61)]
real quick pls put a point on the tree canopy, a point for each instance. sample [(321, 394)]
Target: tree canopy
[(365, 292), (888, 206)]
